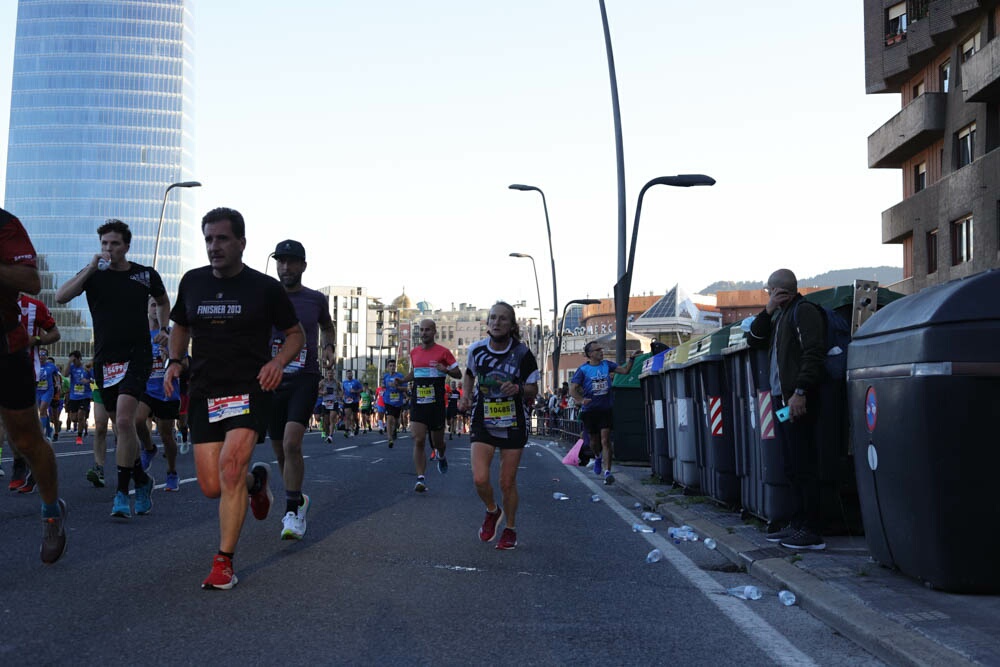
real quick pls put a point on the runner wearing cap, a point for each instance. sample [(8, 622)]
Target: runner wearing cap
[(296, 395)]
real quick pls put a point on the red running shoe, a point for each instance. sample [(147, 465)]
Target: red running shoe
[(489, 529), (508, 539), (260, 502), (222, 576), (29, 484), (79, 440)]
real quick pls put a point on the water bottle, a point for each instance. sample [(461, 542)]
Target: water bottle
[(787, 598), (637, 506), (103, 264), (655, 556), (642, 528), (595, 498), (651, 516), (709, 543), (558, 495), (745, 592)]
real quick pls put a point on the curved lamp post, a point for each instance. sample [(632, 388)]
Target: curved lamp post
[(538, 341), (159, 227), (624, 286), (559, 339), (552, 258)]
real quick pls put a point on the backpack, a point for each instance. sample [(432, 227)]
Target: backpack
[(837, 337)]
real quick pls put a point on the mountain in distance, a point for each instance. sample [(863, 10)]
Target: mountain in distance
[(885, 275)]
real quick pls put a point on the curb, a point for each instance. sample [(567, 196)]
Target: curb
[(871, 630)]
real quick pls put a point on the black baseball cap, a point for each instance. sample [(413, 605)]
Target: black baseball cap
[(289, 248)]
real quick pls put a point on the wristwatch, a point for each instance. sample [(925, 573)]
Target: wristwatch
[(800, 392)]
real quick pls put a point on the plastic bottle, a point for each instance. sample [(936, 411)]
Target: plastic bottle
[(103, 264), (709, 543), (558, 495), (637, 506), (654, 556), (787, 598), (745, 592), (642, 528), (595, 498), (651, 516)]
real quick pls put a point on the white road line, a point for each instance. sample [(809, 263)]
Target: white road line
[(344, 449), (759, 631)]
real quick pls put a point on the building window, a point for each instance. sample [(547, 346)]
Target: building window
[(966, 145), (919, 177), (895, 19), (961, 241), (918, 90), (945, 75), (932, 251), (970, 46)]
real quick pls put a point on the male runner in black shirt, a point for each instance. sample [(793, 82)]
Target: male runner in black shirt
[(123, 354), (228, 310)]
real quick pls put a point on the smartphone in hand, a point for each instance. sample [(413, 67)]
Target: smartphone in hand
[(782, 414)]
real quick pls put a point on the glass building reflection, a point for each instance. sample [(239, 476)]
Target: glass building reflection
[(101, 123)]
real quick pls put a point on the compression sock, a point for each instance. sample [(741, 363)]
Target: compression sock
[(293, 500), (227, 554), (139, 475), (124, 477)]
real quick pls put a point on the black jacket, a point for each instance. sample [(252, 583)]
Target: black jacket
[(800, 352)]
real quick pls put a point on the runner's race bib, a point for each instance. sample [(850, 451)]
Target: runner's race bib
[(599, 386), (228, 406), (43, 384), (329, 404), (78, 389), (114, 373), (394, 396), (425, 395), (499, 413), (296, 364)]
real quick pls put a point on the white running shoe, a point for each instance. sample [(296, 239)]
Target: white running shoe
[(293, 524)]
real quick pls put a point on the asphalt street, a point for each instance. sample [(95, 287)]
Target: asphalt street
[(385, 576)]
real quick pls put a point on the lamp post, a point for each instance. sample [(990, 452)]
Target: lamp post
[(624, 286), (558, 341), (159, 227), (538, 340), (552, 258)]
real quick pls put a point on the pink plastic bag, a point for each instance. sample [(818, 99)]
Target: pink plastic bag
[(572, 458)]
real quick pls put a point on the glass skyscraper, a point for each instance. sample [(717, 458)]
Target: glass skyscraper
[(101, 123)]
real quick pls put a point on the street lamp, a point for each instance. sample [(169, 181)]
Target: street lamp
[(552, 257), (159, 227), (538, 344), (562, 330), (624, 286)]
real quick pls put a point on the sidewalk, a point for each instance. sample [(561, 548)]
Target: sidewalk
[(889, 614)]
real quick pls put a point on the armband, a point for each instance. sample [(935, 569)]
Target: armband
[(165, 330)]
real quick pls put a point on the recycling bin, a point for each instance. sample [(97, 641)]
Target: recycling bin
[(714, 407), (923, 399), (628, 416), (652, 397), (682, 428)]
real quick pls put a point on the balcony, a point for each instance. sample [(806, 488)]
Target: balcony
[(919, 124), (981, 74)]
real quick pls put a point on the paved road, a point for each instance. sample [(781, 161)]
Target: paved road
[(385, 576)]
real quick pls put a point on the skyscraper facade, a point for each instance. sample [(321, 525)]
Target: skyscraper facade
[(101, 123)]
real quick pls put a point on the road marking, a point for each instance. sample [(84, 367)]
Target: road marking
[(457, 568), (759, 631), (344, 449)]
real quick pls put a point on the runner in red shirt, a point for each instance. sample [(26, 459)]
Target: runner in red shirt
[(18, 273), (430, 363)]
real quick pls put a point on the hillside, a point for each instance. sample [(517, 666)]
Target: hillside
[(885, 275)]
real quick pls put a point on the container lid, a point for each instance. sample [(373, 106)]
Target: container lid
[(653, 364), (971, 299), (631, 380)]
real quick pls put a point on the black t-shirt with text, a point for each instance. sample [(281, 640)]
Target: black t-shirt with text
[(230, 320), (118, 303)]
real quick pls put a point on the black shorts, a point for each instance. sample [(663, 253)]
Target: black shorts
[(133, 384), (351, 407), (293, 401), (18, 372), (451, 412), (516, 438), (162, 409), (393, 410), (431, 416), (594, 421), (78, 404), (203, 430), (366, 411)]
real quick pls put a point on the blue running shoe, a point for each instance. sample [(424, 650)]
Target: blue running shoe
[(146, 458), (172, 483), (597, 465), (144, 496), (121, 508)]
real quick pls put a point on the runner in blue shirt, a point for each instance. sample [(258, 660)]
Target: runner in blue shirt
[(394, 397), (78, 401), (352, 397), (48, 376), (591, 388)]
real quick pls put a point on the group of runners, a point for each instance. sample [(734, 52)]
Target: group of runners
[(257, 355)]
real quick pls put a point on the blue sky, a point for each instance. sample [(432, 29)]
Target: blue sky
[(383, 135)]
